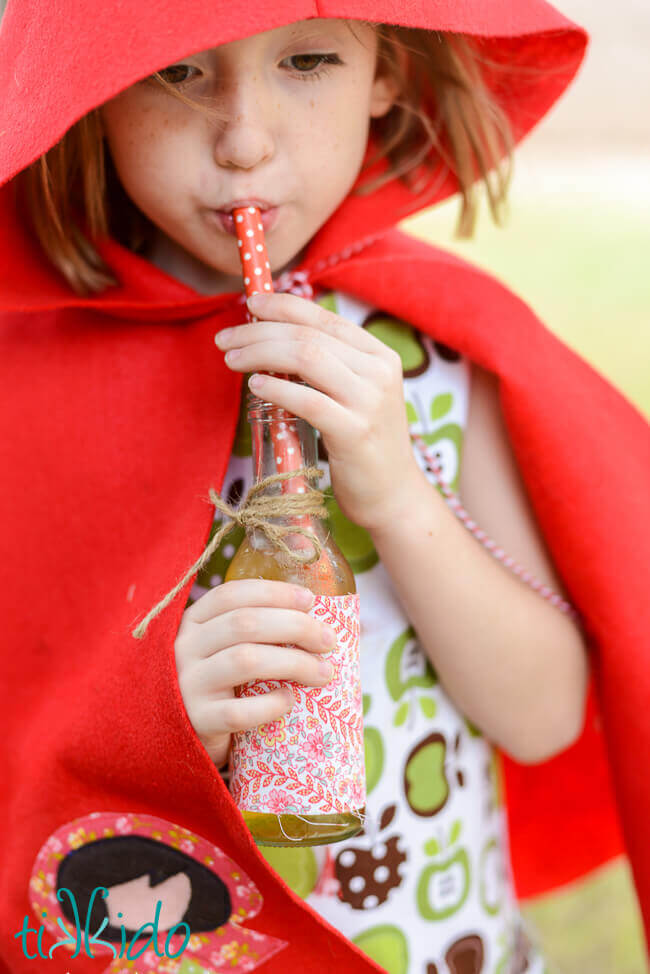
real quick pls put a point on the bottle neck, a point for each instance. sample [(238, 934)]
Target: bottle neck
[(277, 436), (281, 443)]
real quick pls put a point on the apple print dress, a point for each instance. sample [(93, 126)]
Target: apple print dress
[(425, 888)]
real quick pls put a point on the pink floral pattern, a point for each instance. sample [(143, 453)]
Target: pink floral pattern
[(312, 760), (274, 733)]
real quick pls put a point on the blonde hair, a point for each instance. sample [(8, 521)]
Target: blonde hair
[(72, 193)]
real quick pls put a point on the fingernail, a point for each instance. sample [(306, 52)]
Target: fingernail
[(290, 698), (304, 598), (233, 354), (325, 668), (222, 337), (328, 637), (255, 302), (256, 381)]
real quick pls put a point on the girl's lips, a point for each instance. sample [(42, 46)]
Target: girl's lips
[(226, 222)]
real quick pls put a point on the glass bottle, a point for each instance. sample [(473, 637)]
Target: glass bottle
[(330, 575)]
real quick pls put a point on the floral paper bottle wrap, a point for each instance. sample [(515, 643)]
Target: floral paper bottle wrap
[(309, 762), (301, 778)]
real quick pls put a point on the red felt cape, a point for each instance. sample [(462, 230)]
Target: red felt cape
[(118, 415)]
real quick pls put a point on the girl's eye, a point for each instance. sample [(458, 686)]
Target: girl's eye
[(304, 65), (176, 74), (313, 65)]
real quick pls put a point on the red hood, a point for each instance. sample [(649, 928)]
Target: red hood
[(50, 77)]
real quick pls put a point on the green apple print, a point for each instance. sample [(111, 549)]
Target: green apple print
[(491, 878), (452, 432), (297, 867), (373, 744), (440, 407), (407, 668), (443, 885), (387, 946), (426, 787), (427, 770), (354, 541), (403, 339), (374, 755)]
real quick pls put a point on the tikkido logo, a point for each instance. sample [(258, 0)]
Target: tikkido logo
[(91, 940)]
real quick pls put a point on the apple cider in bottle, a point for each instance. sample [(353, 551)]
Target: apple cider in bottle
[(300, 780)]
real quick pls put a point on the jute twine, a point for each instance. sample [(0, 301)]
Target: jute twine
[(258, 511)]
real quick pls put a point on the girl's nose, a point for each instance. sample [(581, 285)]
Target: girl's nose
[(245, 140)]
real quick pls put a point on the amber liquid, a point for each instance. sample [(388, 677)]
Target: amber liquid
[(330, 575)]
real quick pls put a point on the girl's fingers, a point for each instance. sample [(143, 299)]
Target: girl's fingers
[(311, 361), (321, 412), (301, 311), (259, 661), (360, 362), (240, 593), (241, 713), (262, 625)]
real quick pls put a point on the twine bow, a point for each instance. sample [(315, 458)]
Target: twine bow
[(258, 511)]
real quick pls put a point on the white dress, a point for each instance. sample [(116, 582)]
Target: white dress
[(426, 887)]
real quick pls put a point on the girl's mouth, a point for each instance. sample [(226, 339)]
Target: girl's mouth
[(226, 222)]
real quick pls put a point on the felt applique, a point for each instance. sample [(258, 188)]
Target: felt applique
[(138, 888)]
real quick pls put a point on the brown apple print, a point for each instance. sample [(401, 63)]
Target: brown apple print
[(368, 875), (465, 956)]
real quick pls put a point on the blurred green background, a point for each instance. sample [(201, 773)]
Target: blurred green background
[(580, 261)]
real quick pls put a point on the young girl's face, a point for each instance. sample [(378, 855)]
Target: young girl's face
[(296, 104)]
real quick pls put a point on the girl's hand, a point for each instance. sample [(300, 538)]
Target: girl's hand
[(356, 399), (229, 637)]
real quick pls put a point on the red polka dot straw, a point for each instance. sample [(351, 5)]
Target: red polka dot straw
[(256, 272), (256, 269)]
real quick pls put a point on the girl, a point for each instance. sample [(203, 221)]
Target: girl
[(119, 262)]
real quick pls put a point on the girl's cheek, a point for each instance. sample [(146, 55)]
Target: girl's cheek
[(127, 112)]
